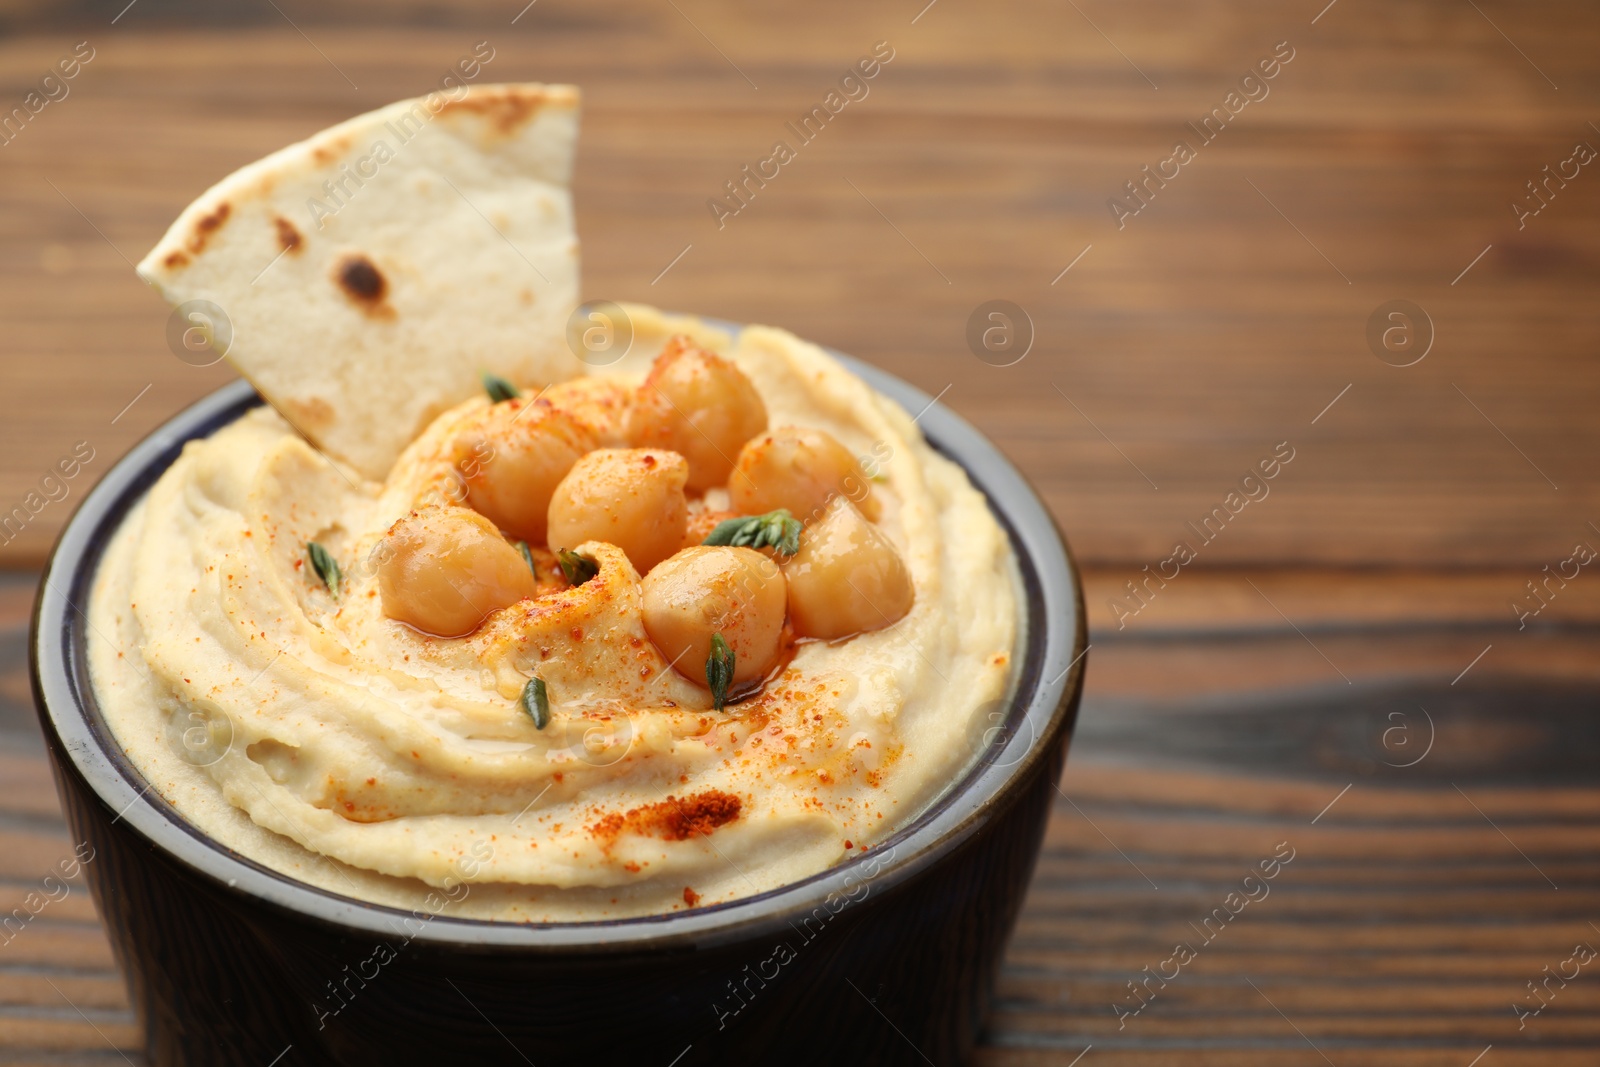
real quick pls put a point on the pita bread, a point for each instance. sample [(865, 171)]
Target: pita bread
[(371, 272)]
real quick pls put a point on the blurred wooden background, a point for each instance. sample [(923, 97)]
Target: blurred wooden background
[(1194, 339), (1229, 315)]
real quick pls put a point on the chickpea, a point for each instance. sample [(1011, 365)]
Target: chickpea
[(446, 570), (700, 406), (801, 470), (706, 590), (701, 523), (513, 460), (847, 578), (600, 403), (630, 497)]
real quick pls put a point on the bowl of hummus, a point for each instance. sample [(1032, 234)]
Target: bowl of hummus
[(493, 678)]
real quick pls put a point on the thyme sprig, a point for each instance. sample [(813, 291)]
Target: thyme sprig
[(578, 568), (527, 557), (498, 388), (536, 702), (719, 670), (776, 529), (325, 566)]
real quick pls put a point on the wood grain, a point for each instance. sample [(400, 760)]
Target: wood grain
[(1436, 870), (1212, 326), (1378, 577)]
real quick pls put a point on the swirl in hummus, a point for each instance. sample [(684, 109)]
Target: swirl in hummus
[(340, 730)]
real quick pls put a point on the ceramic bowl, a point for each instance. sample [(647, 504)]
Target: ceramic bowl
[(887, 958)]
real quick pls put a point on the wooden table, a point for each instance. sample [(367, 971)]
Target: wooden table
[(1339, 673)]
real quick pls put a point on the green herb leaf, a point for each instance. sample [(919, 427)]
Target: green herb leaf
[(578, 567), (719, 670), (789, 543), (536, 702), (527, 557), (776, 529), (325, 566), (498, 388)]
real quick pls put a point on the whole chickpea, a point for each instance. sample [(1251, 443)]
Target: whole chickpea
[(512, 461), (847, 578), (599, 402), (737, 592), (700, 406), (798, 469), (630, 497), (446, 570)]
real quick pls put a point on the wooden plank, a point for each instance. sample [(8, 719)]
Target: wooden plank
[(61, 901), (26, 780), (1283, 1055), (1419, 969), (1190, 791), (102, 990), (1206, 991), (58, 945), (1327, 904), (1221, 600), (1071, 872), (1329, 1033), (1158, 934), (69, 1033), (1431, 660), (1571, 1029), (27, 856)]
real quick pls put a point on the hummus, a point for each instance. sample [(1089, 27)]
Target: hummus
[(324, 740)]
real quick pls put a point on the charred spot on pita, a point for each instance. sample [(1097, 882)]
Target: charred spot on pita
[(208, 224), (507, 110), (361, 280), (289, 238), (215, 218)]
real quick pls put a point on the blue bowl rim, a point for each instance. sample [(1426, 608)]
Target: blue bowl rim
[(1043, 707)]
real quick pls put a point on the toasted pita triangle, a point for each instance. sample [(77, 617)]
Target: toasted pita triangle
[(371, 272)]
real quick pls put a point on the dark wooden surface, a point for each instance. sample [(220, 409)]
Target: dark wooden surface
[(1240, 703), (1445, 829)]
